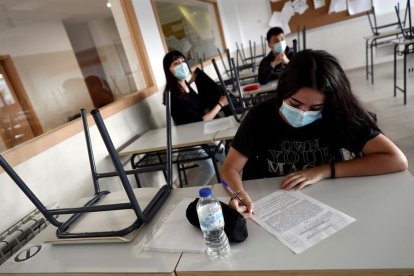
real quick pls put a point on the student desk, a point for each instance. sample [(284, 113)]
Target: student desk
[(407, 48), (105, 258), (380, 241), (370, 42), (182, 136), (227, 134)]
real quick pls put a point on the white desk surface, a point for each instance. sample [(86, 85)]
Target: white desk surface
[(102, 259), (182, 136), (403, 41), (380, 241), (227, 134)]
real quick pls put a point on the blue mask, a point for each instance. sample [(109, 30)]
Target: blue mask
[(297, 117), (279, 47), (181, 71)]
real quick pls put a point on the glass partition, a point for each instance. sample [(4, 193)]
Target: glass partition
[(191, 27), (58, 57)]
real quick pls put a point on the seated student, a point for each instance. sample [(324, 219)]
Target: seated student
[(275, 62), (299, 133), (187, 106)]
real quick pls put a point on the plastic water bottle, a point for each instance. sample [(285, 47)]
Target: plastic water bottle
[(211, 220)]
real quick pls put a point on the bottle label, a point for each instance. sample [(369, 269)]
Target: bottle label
[(213, 221)]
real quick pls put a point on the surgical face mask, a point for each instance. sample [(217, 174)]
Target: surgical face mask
[(279, 47), (297, 117), (181, 71)]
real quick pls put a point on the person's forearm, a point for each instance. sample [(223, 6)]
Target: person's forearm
[(372, 164), (212, 113), (232, 178)]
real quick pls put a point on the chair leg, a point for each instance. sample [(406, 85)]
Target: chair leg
[(185, 175), (179, 175), (135, 174)]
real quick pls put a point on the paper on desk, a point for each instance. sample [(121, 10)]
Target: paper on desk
[(298, 220), (176, 234), (217, 125)]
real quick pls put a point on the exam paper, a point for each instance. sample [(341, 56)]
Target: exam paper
[(298, 220), (219, 124)]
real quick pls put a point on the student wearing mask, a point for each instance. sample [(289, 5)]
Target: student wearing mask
[(188, 106), (300, 132), (275, 62)]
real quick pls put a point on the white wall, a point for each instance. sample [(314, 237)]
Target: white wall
[(245, 20)]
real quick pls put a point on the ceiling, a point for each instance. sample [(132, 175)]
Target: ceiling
[(17, 12)]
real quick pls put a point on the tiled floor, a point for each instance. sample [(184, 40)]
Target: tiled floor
[(395, 119)]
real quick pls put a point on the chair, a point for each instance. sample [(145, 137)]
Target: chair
[(299, 40), (236, 102), (182, 157), (407, 44), (382, 35), (142, 216), (150, 164), (375, 28)]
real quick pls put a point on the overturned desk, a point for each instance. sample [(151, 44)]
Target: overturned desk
[(40, 258)]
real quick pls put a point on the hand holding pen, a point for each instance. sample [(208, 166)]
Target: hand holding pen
[(236, 196)]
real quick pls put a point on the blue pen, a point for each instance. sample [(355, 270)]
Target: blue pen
[(233, 193)]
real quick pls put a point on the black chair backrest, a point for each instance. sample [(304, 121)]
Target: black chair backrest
[(408, 33), (222, 60), (376, 29), (237, 106)]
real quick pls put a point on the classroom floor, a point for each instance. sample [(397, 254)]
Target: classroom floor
[(395, 119)]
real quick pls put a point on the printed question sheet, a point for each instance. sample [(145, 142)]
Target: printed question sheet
[(298, 220)]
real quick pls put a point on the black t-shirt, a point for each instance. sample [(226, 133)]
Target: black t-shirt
[(266, 72), (274, 148), (186, 107)]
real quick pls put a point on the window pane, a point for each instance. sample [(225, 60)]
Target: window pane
[(190, 27), (69, 55)]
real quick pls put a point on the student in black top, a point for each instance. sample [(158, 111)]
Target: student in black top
[(300, 132), (187, 106), (275, 62)]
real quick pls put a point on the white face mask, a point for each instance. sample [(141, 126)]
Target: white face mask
[(279, 47)]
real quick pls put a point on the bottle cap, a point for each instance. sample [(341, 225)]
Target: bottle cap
[(205, 192)]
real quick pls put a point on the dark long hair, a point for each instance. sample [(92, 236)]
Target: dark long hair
[(172, 82), (343, 113)]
